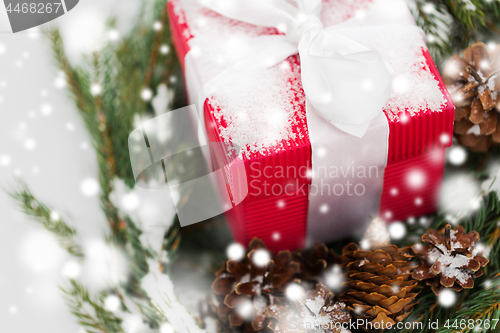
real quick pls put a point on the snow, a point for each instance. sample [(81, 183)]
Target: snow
[(133, 323), (104, 266), (60, 82), (130, 201), (258, 110), (244, 309), (157, 26), (112, 303), (113, 35), (261, 257), (71, 270), (5, 160), (324, 208), (336, 11), (378, 230), (235, 252), (29, 144), (459, 194), (397, 230), (447, 298), (40, 251), (294, 292), (456, 155), (474, 130), (148, 207), (262, 112), (146, 94), (89, 187), (416, 179), (493, 181), (334, 278), (163, 296), (168, 328), (469, 5), (164, 49), (46, 109), (452, 264), (95, 89)]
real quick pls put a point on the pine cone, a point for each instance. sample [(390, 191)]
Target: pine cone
[(316, 311), (449, 260), (314, 262), (473, 82), (379, 283), (249, 287)]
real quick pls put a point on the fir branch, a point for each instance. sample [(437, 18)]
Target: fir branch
[(138, 256), (436, 21), (90, 313), (452, 25), (467, 12), (45, 216), (105, 157), (90, 108), (482, 306), (155, 49), (128, 67), (78, 82), (171, 242)]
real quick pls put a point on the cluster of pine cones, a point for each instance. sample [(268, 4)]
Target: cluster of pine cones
[(290, 292)]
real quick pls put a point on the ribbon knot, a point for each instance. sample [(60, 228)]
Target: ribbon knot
[(307, 23)]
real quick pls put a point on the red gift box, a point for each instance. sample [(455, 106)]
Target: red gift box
[(416, 146)]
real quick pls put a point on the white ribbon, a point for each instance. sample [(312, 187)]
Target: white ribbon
[(345, 83), (333, 65)]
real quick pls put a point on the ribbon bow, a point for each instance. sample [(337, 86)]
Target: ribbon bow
[(346, 83)]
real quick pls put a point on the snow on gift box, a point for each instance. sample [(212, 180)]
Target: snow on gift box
[(311, 176)]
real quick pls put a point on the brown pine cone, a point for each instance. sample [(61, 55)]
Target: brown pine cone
[(379, 283), (449, 259), (316, 311), (474, 83), (249, 286), (314, 262)]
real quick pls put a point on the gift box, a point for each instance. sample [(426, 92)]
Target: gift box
[(273, 171)]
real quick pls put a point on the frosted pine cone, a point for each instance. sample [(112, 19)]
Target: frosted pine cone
[(449, 259), (248, 287), (474, 82), (314, 312)]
